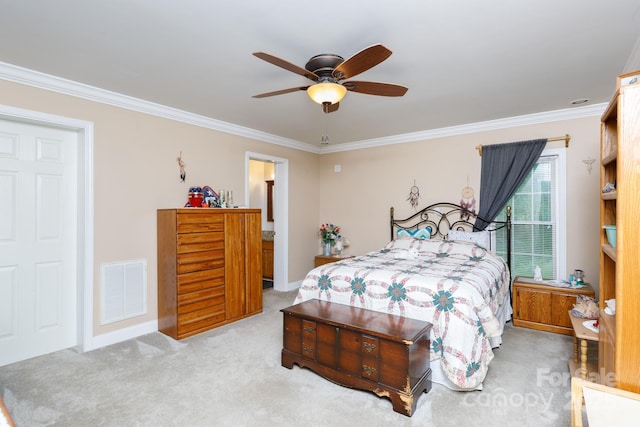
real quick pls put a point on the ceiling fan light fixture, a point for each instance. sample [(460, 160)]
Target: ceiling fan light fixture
[(322, 93)]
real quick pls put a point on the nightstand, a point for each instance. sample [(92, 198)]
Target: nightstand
[(327, 259), (537, 305)]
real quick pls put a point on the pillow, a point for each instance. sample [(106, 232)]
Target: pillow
[(480, 238), (409, 243), (420, 233)]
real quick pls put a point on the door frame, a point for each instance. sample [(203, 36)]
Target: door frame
[(85, 236), (281, 215)]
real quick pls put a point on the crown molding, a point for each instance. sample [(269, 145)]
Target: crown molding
[(68, 87), (48, 82), (509, 122)]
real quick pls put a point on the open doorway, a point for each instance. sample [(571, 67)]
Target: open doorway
[(261, 188), (260, 169)]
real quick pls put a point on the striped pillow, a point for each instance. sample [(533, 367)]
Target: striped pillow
[(420, 233)]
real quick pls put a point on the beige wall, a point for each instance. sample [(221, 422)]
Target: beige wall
[(136, 172), (371, 180)]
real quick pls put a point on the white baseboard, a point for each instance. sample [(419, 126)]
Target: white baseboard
[(145, 328), (290, 286), (121, 335)]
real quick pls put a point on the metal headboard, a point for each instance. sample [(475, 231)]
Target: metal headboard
[(444, 216)]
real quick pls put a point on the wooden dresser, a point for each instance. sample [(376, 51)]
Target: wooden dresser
[(209, 268), (544, 307), (359, 348)]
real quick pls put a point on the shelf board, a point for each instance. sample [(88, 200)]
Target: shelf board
[(611, 157), (608, 323), (612, 195), (610, 251)]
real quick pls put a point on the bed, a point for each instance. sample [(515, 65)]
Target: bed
[(437, 268)]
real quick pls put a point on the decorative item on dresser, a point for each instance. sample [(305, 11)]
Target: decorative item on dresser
[(619, 340), (209, 268), (544, 307)]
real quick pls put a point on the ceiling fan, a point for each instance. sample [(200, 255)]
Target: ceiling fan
[(328, 70)]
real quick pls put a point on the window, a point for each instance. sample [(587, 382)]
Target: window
[(538, 219)]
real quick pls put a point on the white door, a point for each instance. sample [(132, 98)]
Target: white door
[(38, 240)]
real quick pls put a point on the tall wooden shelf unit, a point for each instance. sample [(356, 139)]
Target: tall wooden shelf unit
[(209, 268), (619, 336)]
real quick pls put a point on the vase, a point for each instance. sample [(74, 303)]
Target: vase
[(326, 249)]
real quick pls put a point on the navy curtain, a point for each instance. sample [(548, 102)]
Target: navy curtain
[(504, 167)]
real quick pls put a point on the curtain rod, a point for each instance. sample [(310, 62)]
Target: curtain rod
[(565, 138)]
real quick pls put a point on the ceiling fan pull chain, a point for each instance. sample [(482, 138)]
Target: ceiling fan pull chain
[(325, 134)]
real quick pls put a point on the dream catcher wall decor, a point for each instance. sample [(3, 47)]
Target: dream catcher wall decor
[(414, 195), (468, 203), (183, 173)]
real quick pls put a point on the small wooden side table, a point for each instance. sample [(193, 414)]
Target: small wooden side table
[(326, 259), (584, 335)]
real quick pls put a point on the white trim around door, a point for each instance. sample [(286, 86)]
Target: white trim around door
[(85, 339), (281, 215)]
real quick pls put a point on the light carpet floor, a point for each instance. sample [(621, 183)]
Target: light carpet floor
[(231, 376)]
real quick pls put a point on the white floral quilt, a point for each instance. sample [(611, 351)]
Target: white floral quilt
[(456, 286)]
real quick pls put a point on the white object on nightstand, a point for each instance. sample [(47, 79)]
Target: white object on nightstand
[(537, 273)]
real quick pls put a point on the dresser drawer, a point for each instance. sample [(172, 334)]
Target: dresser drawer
[(202, 299), (192, 282), (196, 261), (197, 242), (350, 345), (199, 223), (200, 319)]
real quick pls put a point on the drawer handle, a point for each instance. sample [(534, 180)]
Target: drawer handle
[(369, 347), (308, 329), (306, 349), (369, 370)]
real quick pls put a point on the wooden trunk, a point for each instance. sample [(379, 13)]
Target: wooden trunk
[(359, 348)]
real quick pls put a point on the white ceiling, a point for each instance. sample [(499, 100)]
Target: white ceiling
[(464, 61)]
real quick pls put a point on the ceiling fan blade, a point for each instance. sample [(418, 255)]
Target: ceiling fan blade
[(330, 108), (361, 61), (374, 88), (280, 92), (287, 65)]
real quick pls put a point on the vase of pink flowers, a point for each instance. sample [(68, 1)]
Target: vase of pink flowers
[(329, 234)]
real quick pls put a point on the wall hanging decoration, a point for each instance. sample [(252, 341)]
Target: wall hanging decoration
[(183, 174), (467, 202), (589, 162), (414, 195)]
